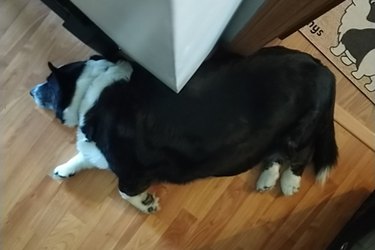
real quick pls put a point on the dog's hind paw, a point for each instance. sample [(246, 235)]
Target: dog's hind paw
[(290, 183), (268, 178)]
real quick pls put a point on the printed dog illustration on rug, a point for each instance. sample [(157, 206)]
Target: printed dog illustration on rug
[(356, 40)]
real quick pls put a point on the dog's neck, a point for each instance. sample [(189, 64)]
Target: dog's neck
[(96, 76)]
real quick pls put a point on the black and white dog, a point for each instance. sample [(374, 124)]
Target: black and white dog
[(275, 108)]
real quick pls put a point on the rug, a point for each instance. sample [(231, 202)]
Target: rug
[(346, 36)]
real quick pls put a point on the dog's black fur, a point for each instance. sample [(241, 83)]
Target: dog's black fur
[(276, 105)]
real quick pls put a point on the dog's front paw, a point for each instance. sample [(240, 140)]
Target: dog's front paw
[(345, 60), (338, 50), (63, 172), (150, 204), (290, 183), (268, 178), (145, 202)]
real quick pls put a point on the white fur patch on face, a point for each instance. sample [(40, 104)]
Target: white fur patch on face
[(35, 92), (145, 202), (96, 75), (268, 177), (290, 183)]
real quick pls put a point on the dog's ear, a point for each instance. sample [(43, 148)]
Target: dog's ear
[(51, 67)]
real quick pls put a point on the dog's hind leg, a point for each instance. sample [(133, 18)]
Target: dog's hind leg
[(294, 151), (299, 144), (291, 177), (290, 181), (366, 67), (270, 173), (371, 85)]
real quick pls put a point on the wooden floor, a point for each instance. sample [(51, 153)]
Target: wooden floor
[(86, 211)]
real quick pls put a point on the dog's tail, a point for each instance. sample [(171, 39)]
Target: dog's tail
[(326, 152)]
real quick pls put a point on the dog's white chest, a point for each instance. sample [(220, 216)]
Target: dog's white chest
[(90, 152)]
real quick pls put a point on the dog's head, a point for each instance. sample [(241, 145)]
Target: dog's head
[(57, 91), (366, 7), (65, 87), (371, 14)]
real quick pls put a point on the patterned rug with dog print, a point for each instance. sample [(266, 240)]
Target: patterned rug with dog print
[(346, 36)]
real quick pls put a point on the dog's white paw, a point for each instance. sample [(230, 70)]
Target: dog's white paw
[(338, 50), (63, 171), (371, 86), (268, 177), (290, 183), (145, 202), (345, 60), (357, 75)]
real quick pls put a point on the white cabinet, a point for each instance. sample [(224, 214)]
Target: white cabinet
[(170, 38)]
